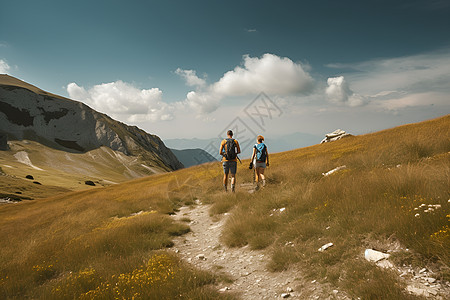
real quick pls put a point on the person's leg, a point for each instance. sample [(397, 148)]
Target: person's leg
[(263, 178), (225, 180), (233, 167), (257, 177), (259, 172), (226, 170), (233, 182)]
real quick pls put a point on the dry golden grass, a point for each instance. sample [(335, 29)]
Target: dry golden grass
[(389, 175), (81, 244), (71, 245)]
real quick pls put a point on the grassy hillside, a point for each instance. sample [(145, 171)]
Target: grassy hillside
[(109, 242), (59, 171)]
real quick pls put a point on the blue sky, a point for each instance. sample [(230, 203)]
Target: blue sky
[(188, 68)]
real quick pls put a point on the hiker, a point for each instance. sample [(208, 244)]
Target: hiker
[(229, 149), (260, 160)]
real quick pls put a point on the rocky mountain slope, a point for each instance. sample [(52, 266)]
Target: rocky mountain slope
[(56, 123), (30, 113)]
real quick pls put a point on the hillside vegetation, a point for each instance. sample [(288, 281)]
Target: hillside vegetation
[(109, 242), (59, 171)]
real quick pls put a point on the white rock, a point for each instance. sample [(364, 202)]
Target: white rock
[(325, 247), (334, 170), (416, 291), (335, 292), (224, 289), (422, 271), (433, 291), (289, 290), (417, 215), (314, 281), (282, 209), (201, 257), (334, 136), (374, 256), (430, 279), (285, 295), (384, 264)]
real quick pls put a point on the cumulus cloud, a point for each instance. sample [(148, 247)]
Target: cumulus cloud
[(204, 103), (4, 67), (339, 92), (270, 73), (123, 101), (190, 77), (403, 82)]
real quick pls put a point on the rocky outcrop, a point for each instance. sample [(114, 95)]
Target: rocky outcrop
[(335, 135), (27, 112)]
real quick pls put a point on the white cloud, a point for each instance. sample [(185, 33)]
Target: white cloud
[(190, 77), (398, 83), (271, 74), (339, 92), (402, 101), (204, 103), (417, 73), (123, 101), (4, 67)]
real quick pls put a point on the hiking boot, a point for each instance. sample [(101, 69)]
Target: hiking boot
[(257, 187)]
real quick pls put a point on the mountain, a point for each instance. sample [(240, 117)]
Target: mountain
[(28, 113), (211, 146), (192, 157)]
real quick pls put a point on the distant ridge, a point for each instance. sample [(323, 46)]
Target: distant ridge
[(192, 157)]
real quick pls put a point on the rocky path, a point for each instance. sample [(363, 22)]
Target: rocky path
[(247, 268)]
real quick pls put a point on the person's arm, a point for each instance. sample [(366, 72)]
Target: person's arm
[(238, 148), (267, 157), (254, 153), (221, 148)]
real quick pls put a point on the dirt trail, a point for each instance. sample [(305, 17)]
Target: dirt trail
[(247, 268)]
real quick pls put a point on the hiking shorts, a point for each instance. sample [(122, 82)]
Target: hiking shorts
[(229, 166), (260, 164)]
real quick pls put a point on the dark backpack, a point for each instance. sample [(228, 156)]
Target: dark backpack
[(230, 149), (261, 152)]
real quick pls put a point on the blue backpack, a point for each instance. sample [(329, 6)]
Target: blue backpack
[(261, 152)]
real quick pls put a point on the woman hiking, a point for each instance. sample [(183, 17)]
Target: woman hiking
[(261, 157)]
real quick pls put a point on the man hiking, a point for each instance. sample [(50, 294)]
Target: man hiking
[(261, 157), (229, 149)]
